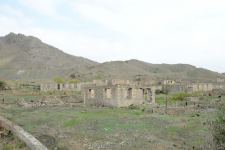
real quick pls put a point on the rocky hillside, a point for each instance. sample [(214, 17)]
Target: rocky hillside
[(26, 57), (133, 69)]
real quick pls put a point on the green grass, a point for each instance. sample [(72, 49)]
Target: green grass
[(161, 99), (178, 98), (105, 124), (99, 123)]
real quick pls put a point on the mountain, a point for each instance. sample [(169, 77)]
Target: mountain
[(133, 69), (27, 57)]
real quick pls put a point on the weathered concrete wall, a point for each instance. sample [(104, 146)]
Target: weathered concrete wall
[(24, 136)]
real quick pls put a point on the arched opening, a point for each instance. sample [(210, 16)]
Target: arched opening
[(108, 93), (129, 93), (91, 93)]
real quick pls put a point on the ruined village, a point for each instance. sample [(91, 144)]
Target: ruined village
[(186, 106), (112, 75)]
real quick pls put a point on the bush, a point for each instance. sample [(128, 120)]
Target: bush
[(219, 129), (157, 92), (59, 80), (2, 85), (180, 96), (74, 81)]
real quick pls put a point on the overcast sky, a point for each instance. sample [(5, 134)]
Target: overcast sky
[(156, 31)]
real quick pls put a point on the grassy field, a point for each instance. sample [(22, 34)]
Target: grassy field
[(79, 127), (107, 128)]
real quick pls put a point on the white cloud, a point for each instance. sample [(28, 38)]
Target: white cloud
[(162, 31)]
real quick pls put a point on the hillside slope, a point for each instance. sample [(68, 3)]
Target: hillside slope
[(133, 69), (26, 57)]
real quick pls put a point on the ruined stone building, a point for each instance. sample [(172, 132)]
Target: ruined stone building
[(219, 80), (117, 93), (169, 82), (194, 87), (201, 87), (58, 87)]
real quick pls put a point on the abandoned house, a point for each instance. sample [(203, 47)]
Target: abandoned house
[(58, 87), (169, 82), (117, 93)]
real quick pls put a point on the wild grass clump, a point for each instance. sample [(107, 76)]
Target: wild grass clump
[(219, 129), (180, 96)]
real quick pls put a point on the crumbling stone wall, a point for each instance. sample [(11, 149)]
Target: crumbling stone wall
[(58, 87), (48, 87), (205, 87), (118, 94), (194, 87), (127, 96), (98, 96), (62, 100), (169, 82)]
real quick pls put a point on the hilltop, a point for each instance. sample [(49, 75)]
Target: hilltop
[(27, 57)]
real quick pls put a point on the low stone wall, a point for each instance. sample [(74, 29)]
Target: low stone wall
[(24, 136), (62, 100)]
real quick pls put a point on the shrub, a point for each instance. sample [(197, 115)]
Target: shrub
[(59, 80), (74, 81), (157, 92), (219, 129), (2, 85), (180, 96)]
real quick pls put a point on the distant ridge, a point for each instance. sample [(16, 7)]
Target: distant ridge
[(27, 58), (133, 69)]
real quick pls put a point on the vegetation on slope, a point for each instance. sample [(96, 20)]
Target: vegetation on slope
[(219, 129), (27, 57)]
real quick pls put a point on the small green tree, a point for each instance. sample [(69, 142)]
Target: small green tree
[(74, 81), (2, 85), (59, 80), (180, 96)]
